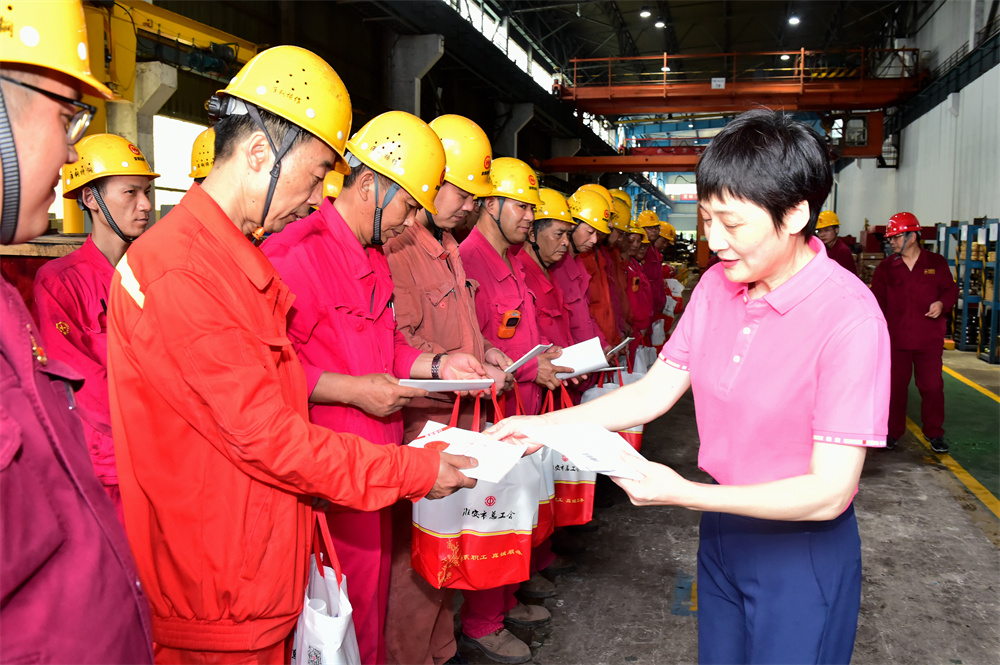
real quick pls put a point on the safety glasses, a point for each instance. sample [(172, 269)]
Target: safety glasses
[(78, 124)]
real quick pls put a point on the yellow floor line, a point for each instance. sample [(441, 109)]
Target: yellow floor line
[(694, 595), (973, 485), (972, 384)]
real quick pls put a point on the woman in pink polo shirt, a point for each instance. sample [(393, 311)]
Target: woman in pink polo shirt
[(788, 360)]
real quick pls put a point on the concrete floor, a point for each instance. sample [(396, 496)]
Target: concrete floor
[(931, 590)]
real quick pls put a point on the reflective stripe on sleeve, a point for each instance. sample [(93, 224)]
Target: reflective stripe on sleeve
[(129, 282)]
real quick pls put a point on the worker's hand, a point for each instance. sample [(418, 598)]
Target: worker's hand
[(496, 362), (607, 349), (628, 329), (462, 367), (546, 376), (659, 486), (935, 311), (450, 479), (381, 395), (510, 430)]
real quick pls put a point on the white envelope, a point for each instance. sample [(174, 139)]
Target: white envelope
[(589, 446), (446, 386), (495, 458), (584, 358), (612, 352), (537, 351)]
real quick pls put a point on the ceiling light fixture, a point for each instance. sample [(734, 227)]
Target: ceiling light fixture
[(664, 69), (659, 23), (785, 56), (644, 12), (793, 20), (690, 125)]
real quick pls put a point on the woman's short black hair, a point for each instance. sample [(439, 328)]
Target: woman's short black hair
[(771, 160), (232, 129)]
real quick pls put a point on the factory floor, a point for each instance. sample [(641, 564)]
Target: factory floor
[(930, 533)]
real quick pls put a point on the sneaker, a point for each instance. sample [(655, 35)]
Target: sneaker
[(939, 445), (561, 565), (538, 587), (528, 616), (891, 442), (500, 646)]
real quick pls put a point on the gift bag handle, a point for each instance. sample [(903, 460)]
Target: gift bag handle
[(548, 404), (565, 401), (324, 533), (520, 403), (498, 410)]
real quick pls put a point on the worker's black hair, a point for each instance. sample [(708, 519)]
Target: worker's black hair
[(768, 159), (540, 225), (358, 170), (232, 129)]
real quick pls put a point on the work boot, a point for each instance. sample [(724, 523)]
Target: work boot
[(529, 616), (891, 442), (561, 565), (566, 543), (500, 646), (939, 445), (538, 587)]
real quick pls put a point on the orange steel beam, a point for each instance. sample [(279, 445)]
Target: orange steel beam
[(620, 164), (821, 95)]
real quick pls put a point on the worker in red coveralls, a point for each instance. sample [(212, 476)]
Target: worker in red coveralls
[(508, 319), (571, 274), (602, 292), (915, 290), (112, 180), (435, 311), (652, 262), (637, 288), (827, 227), (217, 460), (69, 588), (343, 328)]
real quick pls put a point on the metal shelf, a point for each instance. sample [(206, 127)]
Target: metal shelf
[(985, 304)]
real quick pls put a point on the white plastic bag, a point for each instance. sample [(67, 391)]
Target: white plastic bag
[(325, 633)]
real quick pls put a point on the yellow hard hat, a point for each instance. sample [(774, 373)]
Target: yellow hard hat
[(623, 195), (668, 231), (403, 148), (203, 154), (647, 218), (633, 227), (332, 184), (51, 35), (468, 153), (622, 219), (826, 219), (300, 87), (590, 207), (103, 155), (603, 191), (553, 206), (513, 179), (645, 239)]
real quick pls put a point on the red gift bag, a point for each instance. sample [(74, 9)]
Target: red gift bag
[(545, 522), (478, 538), (574, 489)]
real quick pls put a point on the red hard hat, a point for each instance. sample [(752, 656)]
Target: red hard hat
[(902, 222)]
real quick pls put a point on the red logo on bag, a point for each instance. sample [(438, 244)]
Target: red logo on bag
[(565, 459), (491, 501), (437, 445)]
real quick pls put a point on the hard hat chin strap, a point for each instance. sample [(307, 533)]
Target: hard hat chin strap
[(107, 215), (389, 195), (538, 252), (279, 153), (11, 177), (502, 199), (572, 243), (903, 246), (435, 229)]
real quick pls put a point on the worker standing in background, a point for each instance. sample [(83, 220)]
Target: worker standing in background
[(69, 585), (637, 288), (827, 228), (652, 262), (507, 317), (604, 304), (435, 311), (112, 180), (202, 155), (217, 459), (915, 290), (343, 328), (571, 274)]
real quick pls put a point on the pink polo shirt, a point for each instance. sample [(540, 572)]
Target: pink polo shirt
[(807, 362), (574, 282)]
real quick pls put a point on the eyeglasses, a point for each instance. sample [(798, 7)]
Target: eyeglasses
[(78, 124)]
